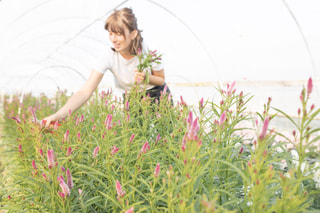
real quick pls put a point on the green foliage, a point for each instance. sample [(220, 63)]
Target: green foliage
[(112, 148)]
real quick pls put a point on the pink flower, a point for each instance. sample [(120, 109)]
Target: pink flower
[(78, 135), (66, 135), (193, 130), (127, 105), (190, 119), (95, 151), (41, 152), (114, 150), (64, 187), (69, 151), (20, 149), (230, 89), (157, 170), (108, 121), (69, 179), (264, 129), (34, 166), (223, 118), (119, 189), (63, 169), (158, 138), (80, 192), (309, 87), (50, 158), (17, 119), (145, 147), (184, 142), (131, 138), (130, 210), (33, 114), (61, 194), (201, 103)]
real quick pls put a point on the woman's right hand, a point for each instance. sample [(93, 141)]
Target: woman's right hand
[(47, 121)]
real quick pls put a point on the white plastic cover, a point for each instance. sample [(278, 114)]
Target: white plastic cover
[(270, 48)]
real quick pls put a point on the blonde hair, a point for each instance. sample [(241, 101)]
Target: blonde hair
[(120, 19)]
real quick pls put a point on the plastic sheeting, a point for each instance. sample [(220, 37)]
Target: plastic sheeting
[(270, 48)]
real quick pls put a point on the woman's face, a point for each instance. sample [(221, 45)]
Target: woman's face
[(121, 42)]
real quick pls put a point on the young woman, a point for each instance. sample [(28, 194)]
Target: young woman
[(121, 60)]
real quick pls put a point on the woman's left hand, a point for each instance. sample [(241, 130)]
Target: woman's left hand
[(139, 76)]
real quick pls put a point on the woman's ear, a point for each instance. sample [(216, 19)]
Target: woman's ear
[(134, 34)]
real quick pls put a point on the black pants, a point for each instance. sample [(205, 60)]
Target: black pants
[(155, 92)]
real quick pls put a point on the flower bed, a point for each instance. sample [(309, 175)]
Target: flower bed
[(129, 155)]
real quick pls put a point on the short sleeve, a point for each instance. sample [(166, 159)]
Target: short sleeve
[(104, 62)]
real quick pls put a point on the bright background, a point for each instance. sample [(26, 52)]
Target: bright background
[(270, 48)]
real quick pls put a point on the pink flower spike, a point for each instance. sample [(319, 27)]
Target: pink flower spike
[(264, 129), (70, 112), (230, 88), (34, 166), (56, 125), (157, 170), (78, 135), (158, 138), (20, 149), (131, 138), (127, 105), (17, 119), (33, 114), (310, 86), (61, 194), (80, 192), (130, 210), (41, 152), (66, 135), (69, 179), (69, 151), (201, 103), (63, 169), (64, 187), (119, 189), (190, 118), (114, 150), (222, 118), (95, 151), (50, 158), (145, 147)]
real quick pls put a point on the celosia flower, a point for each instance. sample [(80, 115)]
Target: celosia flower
[(127, 105), (309, 87), (66, 135), (33, 114), (69, 179), (20, 149), (193, 130), (157, 170), (34, 166), (64, 187), (80, 192), (201, 103), (130, 210), (131, 138), (95, 151), (158, 138), (145, 147), (223, 118), (230, 89), (63, 169), (108, 121), (61, 194), (114, 150), (17, 119), (69, 151), (264, 129), (50, 158), (119, 189)]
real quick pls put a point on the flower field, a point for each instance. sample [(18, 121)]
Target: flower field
[(130, 154)]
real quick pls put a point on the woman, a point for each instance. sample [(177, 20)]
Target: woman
[(121, 60)]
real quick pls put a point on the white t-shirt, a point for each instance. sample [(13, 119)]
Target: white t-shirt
[(122, 69)]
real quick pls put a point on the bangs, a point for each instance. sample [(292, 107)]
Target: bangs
[(114, 24)]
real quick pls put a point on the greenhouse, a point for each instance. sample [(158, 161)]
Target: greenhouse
[(235, 127)]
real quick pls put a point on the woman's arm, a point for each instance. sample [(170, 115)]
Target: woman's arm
[(78, 99), (157, 78)]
